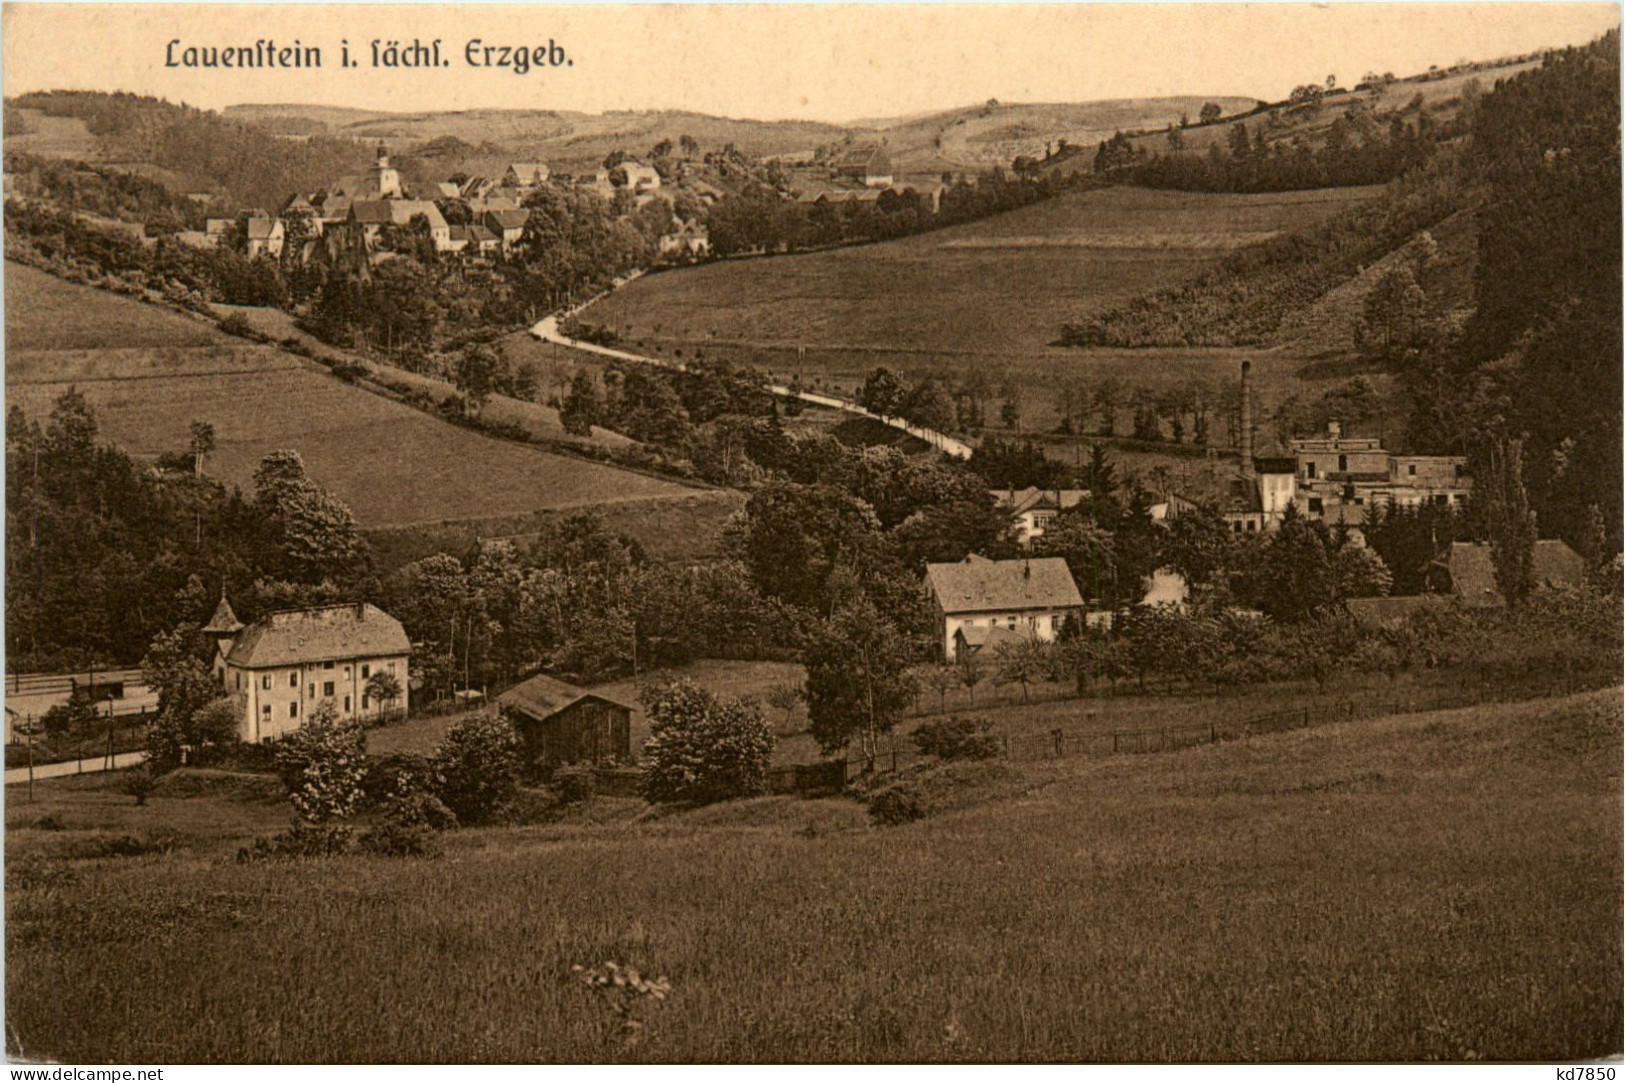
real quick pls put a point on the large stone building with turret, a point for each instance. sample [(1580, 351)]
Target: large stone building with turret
[(287, 664)]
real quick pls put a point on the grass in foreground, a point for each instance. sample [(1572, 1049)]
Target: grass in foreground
[(1433, 886)]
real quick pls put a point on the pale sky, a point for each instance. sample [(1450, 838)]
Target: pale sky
[(820, 62)]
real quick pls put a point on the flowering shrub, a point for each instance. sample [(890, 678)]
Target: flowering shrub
[(702, 747), (323, 763), (478, 765)]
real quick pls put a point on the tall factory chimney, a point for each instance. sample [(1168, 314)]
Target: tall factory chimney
[(1246, 419)]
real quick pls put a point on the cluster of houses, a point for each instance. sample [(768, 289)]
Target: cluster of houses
[(344, 220)]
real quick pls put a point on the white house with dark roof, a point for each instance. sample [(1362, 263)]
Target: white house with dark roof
[(979, 601), (286, 664), (1032, 508)]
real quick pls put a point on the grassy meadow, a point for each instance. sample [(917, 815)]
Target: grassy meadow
[(1437, 886), (150, 373)]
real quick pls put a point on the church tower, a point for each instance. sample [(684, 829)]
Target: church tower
[(389, 181)]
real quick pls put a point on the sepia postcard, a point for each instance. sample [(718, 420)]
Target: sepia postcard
[(812, 533)]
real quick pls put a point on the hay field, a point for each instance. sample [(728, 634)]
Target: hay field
[(392, 464), (1436, 886)]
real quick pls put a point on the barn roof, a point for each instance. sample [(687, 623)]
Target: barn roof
[(1382, 612), (1472, 570), (320, 634), (543, 696), (864, 155), (979, 585)]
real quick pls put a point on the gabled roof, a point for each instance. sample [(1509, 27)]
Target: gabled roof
[(397, 212), (505, 220), (542, 696), (1386, 612), (449, 190), (979, 585), (320, 634), (529, 171), (870, 156), (1472, 570), (1017, 501)]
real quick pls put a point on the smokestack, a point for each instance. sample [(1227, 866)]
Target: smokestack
[(1246, 419)]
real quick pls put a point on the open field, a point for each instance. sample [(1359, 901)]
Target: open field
[(1379, 890), (929, 304), (392, 464)]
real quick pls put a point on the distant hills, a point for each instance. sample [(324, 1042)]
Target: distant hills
[(970, 137)]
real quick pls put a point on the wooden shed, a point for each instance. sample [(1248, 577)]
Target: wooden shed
[(561, 723)]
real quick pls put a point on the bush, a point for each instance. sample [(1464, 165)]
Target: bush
[(898, 803), (300, 840), (140, 783), (161, 841), (51, 821), (398, 775), (574, 784), (394, 839), (322, 764), (703, 747), (421, 810), (958, 738), (478, 764), (350, 371), (237, 324)]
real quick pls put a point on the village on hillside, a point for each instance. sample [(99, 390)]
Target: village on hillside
[(1116, 581)]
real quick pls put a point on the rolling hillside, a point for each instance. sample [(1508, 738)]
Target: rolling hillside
[(150, 373), (986, 298), (997, 132)]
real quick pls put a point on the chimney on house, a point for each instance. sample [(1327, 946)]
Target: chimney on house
[(1246, 419)]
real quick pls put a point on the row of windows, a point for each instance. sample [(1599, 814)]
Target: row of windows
[(293, 677), (293, 707)]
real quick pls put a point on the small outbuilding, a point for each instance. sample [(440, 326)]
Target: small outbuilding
[(560, 723)]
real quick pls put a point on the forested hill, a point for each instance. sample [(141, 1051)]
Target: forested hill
[(1540, 358), (1536, 353)]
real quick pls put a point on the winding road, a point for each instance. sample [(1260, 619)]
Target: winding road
[(548, 331)]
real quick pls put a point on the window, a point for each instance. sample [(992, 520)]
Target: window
[(346, 671), (1309, 470), (265, 711), (327, 665), (1316, 504), (365, 671), (392, 667), (364, 703), (346, 704), (239, 682), (327, 689), (293, 679), (293, 710), (265, 682), (1342, 464), (1411, 470), (313, 691)]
